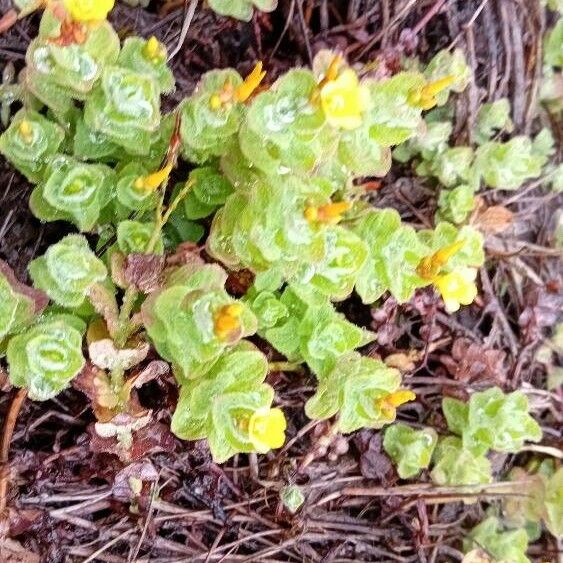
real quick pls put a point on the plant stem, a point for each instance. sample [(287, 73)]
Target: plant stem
[(284, 366), (7, 433), (131, 294)]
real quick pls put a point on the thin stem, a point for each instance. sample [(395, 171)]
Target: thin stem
[(7, 434)]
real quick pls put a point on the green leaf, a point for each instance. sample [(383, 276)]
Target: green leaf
[(456, 413), (269, 310), (410, 449), (180, 319), (326, 335), (449, 63), (455, 205), (509, 546), (292, 498), (136, 54), (19, 304), (392, 120), (492, 117), (508, 165), (218, 405), (554, 503), (134, 237), (241, 9), (498, 421), (125, 107), (453, 166), (394, 253), (284, 130), (128, 195), (67, 271), (29, 142), (354, 390), (454, 465), (73, 191), (345, 255), (205, 131), (471, 254), (46, 357), (553, 45), (428, 142)]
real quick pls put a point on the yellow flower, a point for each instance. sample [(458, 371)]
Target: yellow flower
[(425, 97), (153, 181), (343, 100), (154, 50), (227, 321), (330, 213), (457, 288), (266, 429), (429, 266), (25, 130), (89, 10), (388, 404), (251, 82)]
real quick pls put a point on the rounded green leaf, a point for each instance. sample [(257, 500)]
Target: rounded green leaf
[(67, 271), (46, 358)]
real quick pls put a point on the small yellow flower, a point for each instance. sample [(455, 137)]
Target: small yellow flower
[(388, 404), (425, 97), (89, 10), (457, 288), (153, 181), (429, 266), (25, 130), (330, 213), (154, 50), (266, 429), (227, 321), (343, 100), (251, 82)]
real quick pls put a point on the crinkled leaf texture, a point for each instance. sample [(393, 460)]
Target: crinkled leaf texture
[(73, 191), (492, 420), (205, 131), (125, 108), (19, 304), (67, 271), (241, 9), (217, 405), (394, 253), (455, 465), (47, 357), (410, 449), (505, 546), (180, 319), (508, 165), (311, 330), (30, 150), (352, 391)]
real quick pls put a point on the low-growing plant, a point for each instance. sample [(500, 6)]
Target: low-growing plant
[(276, 184)]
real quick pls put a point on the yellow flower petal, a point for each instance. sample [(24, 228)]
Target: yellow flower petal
[(401, 397), (153, 181), (330, 213), (457, 288), (88, 10), (425, 97), (251, 82), (266, 429), (429, 266), (25, 130), (343, 100), (154, 50), (227, 321)]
